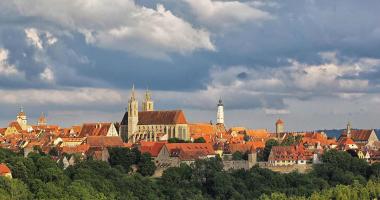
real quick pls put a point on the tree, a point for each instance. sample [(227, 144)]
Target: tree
[(268, 147), (53, 151), (122, 156), (247, 138), (146, 166), (237, 155), (200, 140), (374, 171), (176, 140)]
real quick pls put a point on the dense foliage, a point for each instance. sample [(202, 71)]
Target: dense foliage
[(39, 177)]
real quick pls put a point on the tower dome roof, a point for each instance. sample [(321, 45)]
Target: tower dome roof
[(220, 103), (279, 121), (21, 113), (42, 119)]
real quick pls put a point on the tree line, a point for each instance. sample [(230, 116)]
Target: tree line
[(127, 176)]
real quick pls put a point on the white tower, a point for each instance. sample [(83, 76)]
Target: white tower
[(220, 113), (133, 115)]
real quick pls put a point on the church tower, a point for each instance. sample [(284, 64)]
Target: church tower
[(42, 120), (220, 113), (148, 102), (348, 130), (133, 114), (22, 120)]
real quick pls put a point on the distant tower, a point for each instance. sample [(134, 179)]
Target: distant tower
[(148, 102), (220, 113), (42, 120), (133, 114), (22, 119), (348, 130), (279, 127)]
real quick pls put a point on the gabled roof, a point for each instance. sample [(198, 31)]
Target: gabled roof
[(258, 133), (346, 141), (293, 153), (16, 125), (153, 148), (83, 148), (359, 134), (158, 117), (232, 148), (2, 131), (105, 141), (94, 129), (190, 151)]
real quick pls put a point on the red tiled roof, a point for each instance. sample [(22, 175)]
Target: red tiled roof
[(346, 141), (359, 135), (4, 169), (259, 133), (94, 129), (162, 117), (206, 130), (16, 125), (289, 153), (153, 148), (240, 147), (256, 144), (237, 129), (83, 148), (105, 141), (201, 128), (190, 151), (158, 117)]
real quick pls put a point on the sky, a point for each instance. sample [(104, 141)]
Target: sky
[(313, 63)]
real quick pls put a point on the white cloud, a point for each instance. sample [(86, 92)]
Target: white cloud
[(122, 25), (73, 96), (39, 39), (47, 75), (276, 111), (6, 68), (225, 13), (33, 38)]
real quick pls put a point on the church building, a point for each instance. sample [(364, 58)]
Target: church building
[(151, 125)]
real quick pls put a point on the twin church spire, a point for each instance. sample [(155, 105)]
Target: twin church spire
[(147, 104)]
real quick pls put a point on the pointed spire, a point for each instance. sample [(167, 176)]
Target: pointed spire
[(147, 95), (133, 97), (348, 129), (21, 113), (42, 119)]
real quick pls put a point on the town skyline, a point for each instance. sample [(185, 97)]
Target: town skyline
[(203, 119)]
